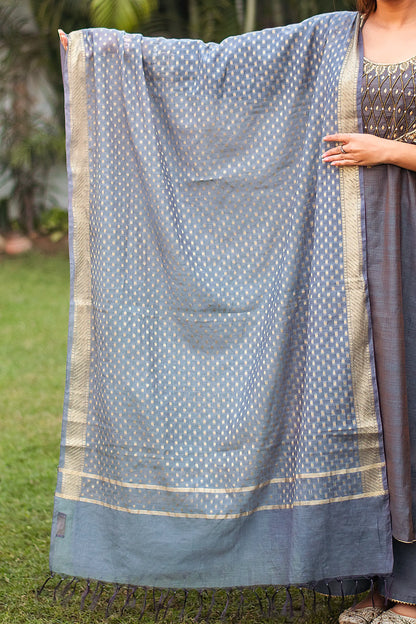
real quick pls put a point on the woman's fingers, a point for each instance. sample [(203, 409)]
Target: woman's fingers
[(355, 149), (336, 152), (64, 39), (341, 162), (342, 138), (336, 155)]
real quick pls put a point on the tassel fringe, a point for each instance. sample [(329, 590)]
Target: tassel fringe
[(205, 605)]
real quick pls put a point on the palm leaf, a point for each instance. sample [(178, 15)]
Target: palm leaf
[(121, 14)]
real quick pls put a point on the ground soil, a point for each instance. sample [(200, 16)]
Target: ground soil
[(41, 243), (44, 244)]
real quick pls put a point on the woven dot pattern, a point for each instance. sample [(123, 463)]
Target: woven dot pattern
[(220, 380)]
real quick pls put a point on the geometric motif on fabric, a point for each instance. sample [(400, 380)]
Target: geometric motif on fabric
[(389, 98)]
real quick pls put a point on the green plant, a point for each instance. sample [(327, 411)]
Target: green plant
[(54, 223), (122, 14), (31, 140)]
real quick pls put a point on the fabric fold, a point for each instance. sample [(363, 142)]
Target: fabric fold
[(231, 428)]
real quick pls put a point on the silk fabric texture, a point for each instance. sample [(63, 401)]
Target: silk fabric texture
[(221, 420)]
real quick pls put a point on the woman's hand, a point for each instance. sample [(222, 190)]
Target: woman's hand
[(63, 38), (368, 150), (356, 149)]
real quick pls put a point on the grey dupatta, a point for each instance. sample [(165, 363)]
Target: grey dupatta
[(221, 422)]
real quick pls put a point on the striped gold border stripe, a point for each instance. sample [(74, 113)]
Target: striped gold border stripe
[(231, 516), (358, 323), (80, 355), (229, 490)]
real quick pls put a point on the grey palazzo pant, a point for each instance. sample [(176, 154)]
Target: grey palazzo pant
[(390, 213)]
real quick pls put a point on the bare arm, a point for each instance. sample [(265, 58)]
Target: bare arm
[(369, 150)]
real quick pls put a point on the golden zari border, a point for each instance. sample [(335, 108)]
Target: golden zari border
[(79, 363), (227, 490), (229, 516), (358, 322)]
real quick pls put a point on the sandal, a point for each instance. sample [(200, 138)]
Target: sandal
[(365, 615), (391, 617)]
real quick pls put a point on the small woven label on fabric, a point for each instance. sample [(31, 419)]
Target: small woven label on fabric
[(60, 525)]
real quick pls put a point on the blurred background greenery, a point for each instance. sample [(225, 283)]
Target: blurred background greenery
[(32, 145)]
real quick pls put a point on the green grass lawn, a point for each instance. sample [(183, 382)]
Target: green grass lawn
[(33, 326), (34, 293)]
